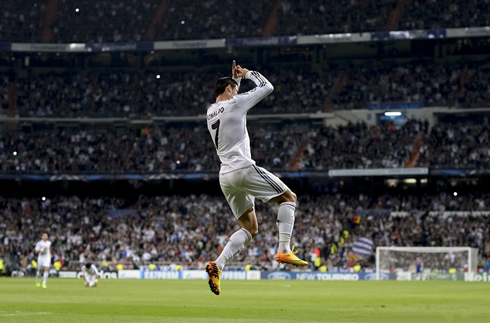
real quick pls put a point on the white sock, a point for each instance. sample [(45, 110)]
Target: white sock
[(285, 222), (46, 274), (37, 276), (237, 242)]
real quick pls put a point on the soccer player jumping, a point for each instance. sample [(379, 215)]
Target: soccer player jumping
[(240, 179)]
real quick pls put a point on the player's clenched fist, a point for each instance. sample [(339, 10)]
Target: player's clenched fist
[(241, 72)]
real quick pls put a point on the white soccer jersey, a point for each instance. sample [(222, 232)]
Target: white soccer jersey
[(91, 271), (227, 124), (43, 248)]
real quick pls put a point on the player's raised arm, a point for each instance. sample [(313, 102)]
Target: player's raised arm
[(96, 272), (248, 99), (37, 249), (234, 74)]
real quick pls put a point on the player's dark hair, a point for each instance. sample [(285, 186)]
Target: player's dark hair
[(222, 84), (88, 265)]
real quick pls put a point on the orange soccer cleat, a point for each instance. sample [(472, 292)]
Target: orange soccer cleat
[(214, 277), (290, 258)]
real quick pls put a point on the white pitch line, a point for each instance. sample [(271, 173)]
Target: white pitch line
[(20, 314)]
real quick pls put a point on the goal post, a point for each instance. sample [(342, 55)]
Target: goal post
[(434, 259)]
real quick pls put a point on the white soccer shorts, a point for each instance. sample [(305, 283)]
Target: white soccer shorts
[(242, 186), (43, 262)]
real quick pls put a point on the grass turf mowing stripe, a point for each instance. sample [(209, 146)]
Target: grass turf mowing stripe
[(245, 301)]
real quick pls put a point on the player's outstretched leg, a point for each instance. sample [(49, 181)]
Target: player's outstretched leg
[(238, 241), (45, 276), (285, 223), (38, 283)]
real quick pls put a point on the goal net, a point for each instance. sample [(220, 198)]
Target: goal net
[(425, 263)]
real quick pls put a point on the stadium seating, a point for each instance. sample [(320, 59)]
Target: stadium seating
[(103, 21), (106, 151), (131, 20), (21, 21), (297, 89), (191, 149), (192, 229)]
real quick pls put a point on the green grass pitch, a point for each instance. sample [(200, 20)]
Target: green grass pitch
[(67, 300)]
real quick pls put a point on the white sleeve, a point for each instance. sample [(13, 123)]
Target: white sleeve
[(247, 100), (38, 246), (95, 270), (238, 80)]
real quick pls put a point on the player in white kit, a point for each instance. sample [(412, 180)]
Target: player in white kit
[(240, 179), (90, 274), (43, 249)]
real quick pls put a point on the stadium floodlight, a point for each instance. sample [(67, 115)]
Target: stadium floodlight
[(434, 259), (393, 114)]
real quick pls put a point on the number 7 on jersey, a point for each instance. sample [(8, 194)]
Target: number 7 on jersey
[(215, 126)]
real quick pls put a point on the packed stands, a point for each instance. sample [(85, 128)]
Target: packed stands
[(141, 95), (193, 229), (21, 21), (190, 149), (131, 20)]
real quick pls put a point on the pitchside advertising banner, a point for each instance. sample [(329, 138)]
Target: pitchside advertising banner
[(477, 277), (281, 275), (286, 275), (79, 274), (198, 274)]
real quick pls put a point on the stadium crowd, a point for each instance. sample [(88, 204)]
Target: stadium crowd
[(297, 89), (190, 148), (130, 20), (463, 145), (3, 95), (20, 21), (85, 21), (127, 150), (130, 94), (360, 146), (194, 229)]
